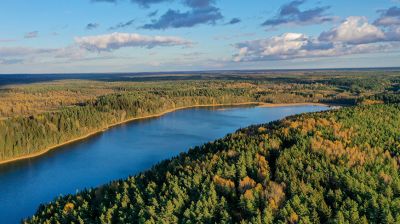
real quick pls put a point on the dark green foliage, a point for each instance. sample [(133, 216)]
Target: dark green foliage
[(21, 136), (338, 166), (387, 98)]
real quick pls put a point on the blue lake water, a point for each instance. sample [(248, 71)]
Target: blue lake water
[(119, 152)]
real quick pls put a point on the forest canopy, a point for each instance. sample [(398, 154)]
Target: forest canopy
[(36, 117), (338, 166)]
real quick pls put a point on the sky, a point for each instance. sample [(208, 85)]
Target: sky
[(82, 36)]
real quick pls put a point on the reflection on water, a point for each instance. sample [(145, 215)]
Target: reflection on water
[(119, 152)]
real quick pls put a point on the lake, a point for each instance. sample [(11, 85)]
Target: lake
[(121, 151)]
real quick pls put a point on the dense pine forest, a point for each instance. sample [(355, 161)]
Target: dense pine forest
[(25, 135), (339, 166), (34, 117)]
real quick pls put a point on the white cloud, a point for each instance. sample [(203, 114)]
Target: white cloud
[(109, 42), (354, 30), (388, 21), (278, 47), (84, 46), (353, 36), (286, 46), (297, 45)]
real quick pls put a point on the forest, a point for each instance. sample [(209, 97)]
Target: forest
[(23, 135), (38, 116), (337, 166)]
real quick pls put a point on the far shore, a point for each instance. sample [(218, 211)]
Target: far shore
[(259, 104), (291, 104)]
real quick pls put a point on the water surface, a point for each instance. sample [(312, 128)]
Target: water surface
[(119, 152)]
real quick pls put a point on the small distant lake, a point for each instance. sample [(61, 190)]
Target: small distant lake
[(121, 151)]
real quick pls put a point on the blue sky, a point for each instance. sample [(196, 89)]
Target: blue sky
[(53, 36)]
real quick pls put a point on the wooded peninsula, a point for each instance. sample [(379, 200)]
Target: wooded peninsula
[(339, 166)]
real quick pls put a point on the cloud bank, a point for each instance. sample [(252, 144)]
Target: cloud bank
[(114, 41), (84, 46), (354, 30), (355, 35)]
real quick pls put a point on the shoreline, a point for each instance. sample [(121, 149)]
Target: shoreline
[(257, 104), (292, 104)]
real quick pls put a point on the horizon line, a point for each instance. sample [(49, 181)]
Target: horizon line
[(393, 68)]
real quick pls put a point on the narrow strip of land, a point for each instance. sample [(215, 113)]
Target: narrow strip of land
[(290, 104), (260, 104)]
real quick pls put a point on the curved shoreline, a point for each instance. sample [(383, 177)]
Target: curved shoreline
[(48, 149)]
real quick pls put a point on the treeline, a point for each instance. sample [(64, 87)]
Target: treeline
[(338, 166), (386, 97), (288, 87), (37, 116), (21, 136)]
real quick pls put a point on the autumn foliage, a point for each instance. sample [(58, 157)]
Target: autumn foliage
[(338, 166)]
